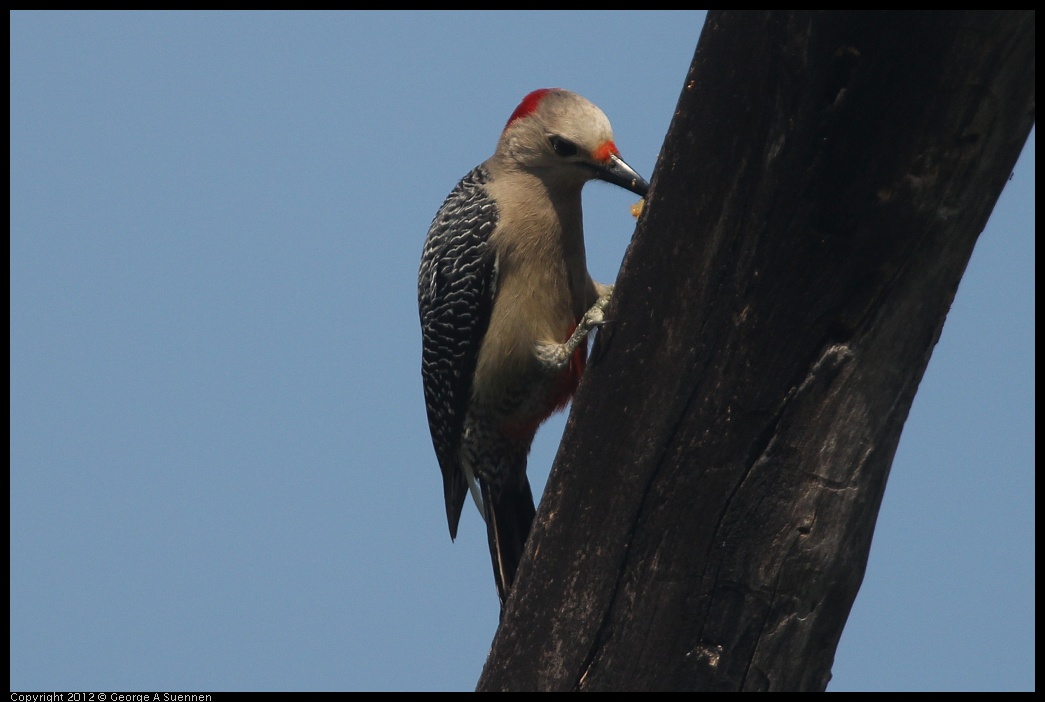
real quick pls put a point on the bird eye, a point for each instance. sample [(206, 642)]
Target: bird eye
[(562, 146)]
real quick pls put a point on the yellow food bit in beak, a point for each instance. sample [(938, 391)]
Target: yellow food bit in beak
[(636, 209)]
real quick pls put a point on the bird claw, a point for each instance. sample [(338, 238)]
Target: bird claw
[(596, 315)]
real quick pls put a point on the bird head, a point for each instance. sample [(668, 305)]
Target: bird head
[(566, 140)]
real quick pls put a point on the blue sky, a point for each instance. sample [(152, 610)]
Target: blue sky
[(221, 473)]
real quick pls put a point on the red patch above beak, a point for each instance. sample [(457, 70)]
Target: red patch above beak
[(603, 153)]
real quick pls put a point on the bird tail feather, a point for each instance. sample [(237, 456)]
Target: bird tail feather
[(509, 515)]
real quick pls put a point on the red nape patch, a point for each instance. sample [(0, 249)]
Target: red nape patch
[(528, 104), (603, 153)]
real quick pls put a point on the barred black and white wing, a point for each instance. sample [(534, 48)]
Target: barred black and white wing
[(456, 285)]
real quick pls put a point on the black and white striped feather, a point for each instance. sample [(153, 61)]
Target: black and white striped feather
[(456, 285)]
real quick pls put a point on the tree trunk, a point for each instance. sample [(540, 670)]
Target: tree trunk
[(708, 519)]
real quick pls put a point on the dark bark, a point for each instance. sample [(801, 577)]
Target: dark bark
[(708, 519)]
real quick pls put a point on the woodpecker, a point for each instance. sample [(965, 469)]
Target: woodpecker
[(506, 304)]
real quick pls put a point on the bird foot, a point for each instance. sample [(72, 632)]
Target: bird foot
[(555, 357)]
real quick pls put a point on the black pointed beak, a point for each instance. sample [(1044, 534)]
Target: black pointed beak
[(619, 173)]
